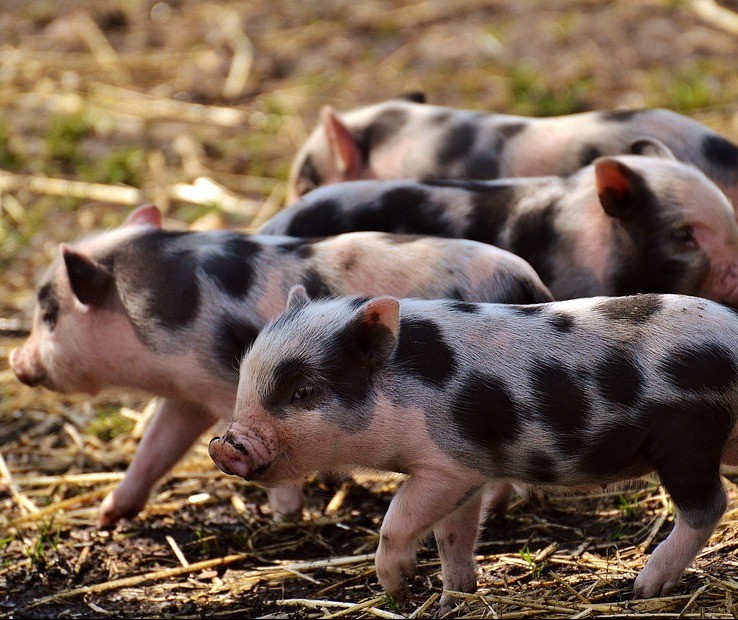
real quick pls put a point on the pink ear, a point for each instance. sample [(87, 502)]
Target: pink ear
[(145, 215), (377, 324), (382, 312), (621, 189), (345, 153)]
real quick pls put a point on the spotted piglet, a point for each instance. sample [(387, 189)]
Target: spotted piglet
[(458, 395), (171, 313), (626, 224), (407, 139)]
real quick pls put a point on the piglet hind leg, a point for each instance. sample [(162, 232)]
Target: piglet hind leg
[(173, 430), (700, 503), (456, 537), (419, 505)]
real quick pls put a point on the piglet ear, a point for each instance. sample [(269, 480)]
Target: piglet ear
[(344, 150), (145, 215), (377, 323), (651, 147), (297, 298), (90, 282), (621, 189)]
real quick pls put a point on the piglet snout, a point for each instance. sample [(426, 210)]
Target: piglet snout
[(27, 372), (230, 459)]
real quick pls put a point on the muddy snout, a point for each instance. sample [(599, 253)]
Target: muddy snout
[(230, 457), (24, 369)]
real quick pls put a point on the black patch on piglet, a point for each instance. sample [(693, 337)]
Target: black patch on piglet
[(232, 268), (507, 131), (309, 177), (416, 96), (288, 375), (515, 289), (562, 322), (614, 452), (561, 402), (619, 116), (540, 468), (720, 152), (315, 286), (636, 308), (463, 306), (458, 145), (157, 280), (491, 206), (384, 127), (588, 154), (708, 366), (318, 218), (529, 310), (484, 411), (402, 209), (685, 446), (619, 378), (422, 351), (533, 236), (48, 304), (232, 338)]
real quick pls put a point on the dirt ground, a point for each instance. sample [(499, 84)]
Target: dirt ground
[(199, 107)]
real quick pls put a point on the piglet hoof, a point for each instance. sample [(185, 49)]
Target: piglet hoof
[(649, 584), (448, 604), (112, 510), (396, 578)]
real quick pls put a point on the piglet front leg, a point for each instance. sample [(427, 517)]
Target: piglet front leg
[(423, 501), (173, 430)]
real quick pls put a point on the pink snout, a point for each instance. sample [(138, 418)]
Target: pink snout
[(25, 369), (230, 456)]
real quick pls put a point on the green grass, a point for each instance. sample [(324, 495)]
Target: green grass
[(47, 538), (109, 423)]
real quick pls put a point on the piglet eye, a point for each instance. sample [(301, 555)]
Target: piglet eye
[(683, 235), (302, 392)]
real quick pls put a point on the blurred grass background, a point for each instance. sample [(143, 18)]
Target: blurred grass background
[(154, 95)]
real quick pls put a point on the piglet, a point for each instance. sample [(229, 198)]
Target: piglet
[(405, 138), (626, 224), (570, 393), (171, 314)]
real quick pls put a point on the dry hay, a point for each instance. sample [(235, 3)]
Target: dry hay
[(204, 104)]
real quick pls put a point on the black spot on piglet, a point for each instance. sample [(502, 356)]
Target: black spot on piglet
[(636, 308), (561, 402), (704, 367), (720, 152), (485, 411), (421, 350)]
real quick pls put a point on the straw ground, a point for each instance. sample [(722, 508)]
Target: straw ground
[(199, 107)]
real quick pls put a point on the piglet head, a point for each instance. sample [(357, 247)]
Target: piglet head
[(332, 154), (78, 331), (309, 378), (70, 291), (680, 222)]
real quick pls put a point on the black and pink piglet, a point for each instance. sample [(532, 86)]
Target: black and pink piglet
[(461, 395)]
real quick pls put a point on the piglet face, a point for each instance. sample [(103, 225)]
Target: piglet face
[(332, 154), (308, 379), (78, 332), (683, 223)]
